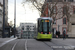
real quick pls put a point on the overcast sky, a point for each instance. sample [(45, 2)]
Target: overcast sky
[(24, 14)]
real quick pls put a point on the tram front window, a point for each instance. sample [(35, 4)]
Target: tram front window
[(45, 26)]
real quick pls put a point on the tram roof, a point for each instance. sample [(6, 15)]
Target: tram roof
[(45, 18)]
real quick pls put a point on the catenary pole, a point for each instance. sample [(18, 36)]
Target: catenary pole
[(14, 18)]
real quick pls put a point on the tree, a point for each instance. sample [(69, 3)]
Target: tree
[(41, 5), (53, 8), (36, 4)]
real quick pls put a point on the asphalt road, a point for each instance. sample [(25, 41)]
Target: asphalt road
[(18, 44), (32, 44), (55, 44)]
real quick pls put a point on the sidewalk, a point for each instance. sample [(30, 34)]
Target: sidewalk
[(66, 38), (3, 41)]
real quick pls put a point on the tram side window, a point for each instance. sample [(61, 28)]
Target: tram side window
[(39, 26), (50, 28)]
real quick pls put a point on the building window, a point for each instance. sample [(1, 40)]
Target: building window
[(73, 24), (74, 9), (22, 27), (0, 21), (49, 0), (22, 23), (27, 28), (64, 9), (54, 22), (0, 10), (64, 20), (54, 0), (54, 9), (64, 0), (60, 0), (33, 28), (70, 0)]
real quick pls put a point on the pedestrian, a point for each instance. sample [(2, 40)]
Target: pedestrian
[(58, 34), (64, 34)]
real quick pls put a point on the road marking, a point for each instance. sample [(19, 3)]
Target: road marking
[(14, 45), (26, 45), (7, 42)]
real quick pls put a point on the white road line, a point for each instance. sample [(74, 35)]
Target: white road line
[(7, 42), (26, 45), (14, 45)]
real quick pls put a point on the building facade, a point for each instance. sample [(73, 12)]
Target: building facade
[(6, 11), (1, 15), (27, 30), (63, 14), (1, 21)]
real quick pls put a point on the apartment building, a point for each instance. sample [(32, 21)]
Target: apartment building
[(27, 30), (1, 15), (63, 15), (1, 20), (6, 11)]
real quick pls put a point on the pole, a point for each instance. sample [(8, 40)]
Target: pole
[(3, 35), (58, 27), (14, 17)]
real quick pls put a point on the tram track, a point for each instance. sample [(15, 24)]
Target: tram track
[(48, 45), (18, 44), (56, 46), (9, 45), (51, 44), (15, 47)]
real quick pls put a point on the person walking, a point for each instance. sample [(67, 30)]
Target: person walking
[(64, 34), (56, 34)]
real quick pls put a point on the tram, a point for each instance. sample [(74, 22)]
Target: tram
[(44, 28)]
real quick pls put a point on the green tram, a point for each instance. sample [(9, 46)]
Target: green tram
[(44, 28)]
